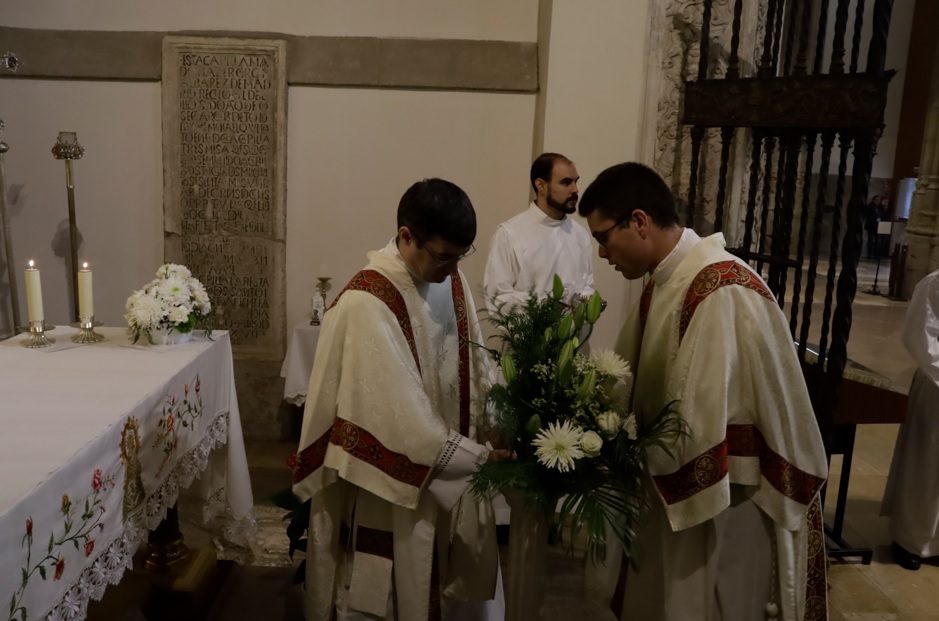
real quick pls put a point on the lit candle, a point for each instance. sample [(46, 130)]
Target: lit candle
[(86, 307), (33, 293)]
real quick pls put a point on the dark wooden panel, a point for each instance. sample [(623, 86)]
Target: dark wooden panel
[(862, 404), (808, 102)]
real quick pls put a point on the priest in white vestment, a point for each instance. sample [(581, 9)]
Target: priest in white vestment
[(527, 250), (735, 531), (912, 495), (389, 441)]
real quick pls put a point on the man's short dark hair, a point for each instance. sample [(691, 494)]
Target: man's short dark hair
[(622, 189), (437, 208), (543, 167)]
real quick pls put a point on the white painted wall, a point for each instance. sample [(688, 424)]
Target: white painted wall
[(593, 111), (351, 154), (118, 187), (514, 20)]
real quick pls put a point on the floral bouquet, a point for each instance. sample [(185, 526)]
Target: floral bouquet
[(567, 418), (173, 301)]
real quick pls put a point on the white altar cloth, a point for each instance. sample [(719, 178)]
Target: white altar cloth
[(298, 364), (96, 443)]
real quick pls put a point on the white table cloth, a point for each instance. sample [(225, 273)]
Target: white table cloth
[(298, 364), (96, 443)]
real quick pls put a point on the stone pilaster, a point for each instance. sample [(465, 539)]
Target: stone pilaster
[(923, 229)]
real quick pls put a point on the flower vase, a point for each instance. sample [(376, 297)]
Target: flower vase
[(527, 562), (162, 336)]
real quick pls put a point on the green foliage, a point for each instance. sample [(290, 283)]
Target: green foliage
[(298, 520), (548, 383)]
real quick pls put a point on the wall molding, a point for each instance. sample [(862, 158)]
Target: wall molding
[(365, 62)]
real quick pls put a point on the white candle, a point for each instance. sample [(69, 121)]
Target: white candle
[(33, 293), (323, 271), (86, 307)]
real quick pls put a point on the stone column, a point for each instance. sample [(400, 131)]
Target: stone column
[(922, 232)]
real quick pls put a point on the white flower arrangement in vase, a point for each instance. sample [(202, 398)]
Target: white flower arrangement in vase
[(173, 302)]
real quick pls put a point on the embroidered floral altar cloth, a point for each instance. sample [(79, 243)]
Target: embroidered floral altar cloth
[(96, 443)]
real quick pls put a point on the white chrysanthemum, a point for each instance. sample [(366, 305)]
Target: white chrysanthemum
[(630, 427), (173, 270), (146, 312), (559, 445), (178, 315), (199, 295), (175, 291), (132, 300), (609, 423), (591, 443), (611, 364)]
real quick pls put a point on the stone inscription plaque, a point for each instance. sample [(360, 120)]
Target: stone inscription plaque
[(224, 174)]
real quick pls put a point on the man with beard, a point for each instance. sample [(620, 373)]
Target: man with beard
[(529, 249)]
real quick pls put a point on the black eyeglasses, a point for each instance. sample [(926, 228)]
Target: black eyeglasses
[(602, 237), (442, 260)]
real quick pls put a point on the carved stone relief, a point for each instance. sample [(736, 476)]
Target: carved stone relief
[(224, 124), (673, 59)]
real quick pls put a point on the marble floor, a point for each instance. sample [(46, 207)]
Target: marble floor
[(880, 591)]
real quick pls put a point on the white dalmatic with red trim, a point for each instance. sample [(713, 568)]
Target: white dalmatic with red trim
[(387, 449), (742, 487)]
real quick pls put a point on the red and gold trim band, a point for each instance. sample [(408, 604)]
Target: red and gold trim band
[(462, 325), (696, 476), (710, 279), (363, 446), (378, 285), (816, 580), (368, 540), (791, 482), (711, 466)]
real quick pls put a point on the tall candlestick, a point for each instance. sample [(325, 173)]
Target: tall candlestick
[(33, 293), (86, 307)]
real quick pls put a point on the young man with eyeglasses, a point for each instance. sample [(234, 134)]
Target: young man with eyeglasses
[(396, 402), (527, 250), (734, 531)]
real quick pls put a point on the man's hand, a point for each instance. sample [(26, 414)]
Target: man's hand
[(496, 438), (500, 455)]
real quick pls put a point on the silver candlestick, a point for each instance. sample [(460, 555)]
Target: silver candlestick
[(87, 335), (321, 287), (37, 336)]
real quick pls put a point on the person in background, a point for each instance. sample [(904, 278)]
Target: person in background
[(911, 498), (871, 220), (527, 250)]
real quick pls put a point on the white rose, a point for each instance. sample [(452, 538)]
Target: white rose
[(591, 443), (609, 423), (629, 426)]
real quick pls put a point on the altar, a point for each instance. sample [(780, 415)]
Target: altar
[(97, 443)]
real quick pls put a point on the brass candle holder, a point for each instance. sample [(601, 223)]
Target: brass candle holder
[(87, 334), (68, 148), (37, 335)]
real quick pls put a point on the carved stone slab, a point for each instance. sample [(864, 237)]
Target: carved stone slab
[(224, 179)]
